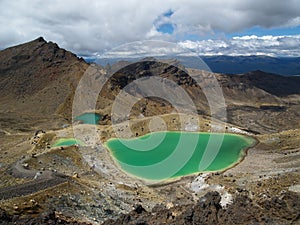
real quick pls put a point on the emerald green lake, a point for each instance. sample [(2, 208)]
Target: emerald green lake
[(89, 118), (67, 142), (163, 155)]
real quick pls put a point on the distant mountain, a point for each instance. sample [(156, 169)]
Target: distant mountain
[(253, 99), (244, 64), (228, 64), (39, 78)]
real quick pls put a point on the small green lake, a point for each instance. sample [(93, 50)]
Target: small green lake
[(163, 155), (67, 142), (88, 118)]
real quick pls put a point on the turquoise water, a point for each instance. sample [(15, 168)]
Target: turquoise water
[(89, 118), (163, 155), (67, 142)]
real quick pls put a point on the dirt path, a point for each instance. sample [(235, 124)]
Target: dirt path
[(262, 161), (29, 187), (42, 180), (18, 170)]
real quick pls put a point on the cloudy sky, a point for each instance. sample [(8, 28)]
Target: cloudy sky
[(87, 27)]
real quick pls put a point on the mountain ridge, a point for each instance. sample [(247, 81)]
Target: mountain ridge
[(243, 64), (286, 66), (40, 78), (32, 71)]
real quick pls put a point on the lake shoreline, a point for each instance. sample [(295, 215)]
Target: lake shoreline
[(250, 140)]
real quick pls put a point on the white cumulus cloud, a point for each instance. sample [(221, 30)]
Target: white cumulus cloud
[(247, 45), (89, 26)]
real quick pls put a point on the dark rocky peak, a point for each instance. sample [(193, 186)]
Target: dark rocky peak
[(40, 39), (142, 69), (28, 68), (37, 52), (272, 83)]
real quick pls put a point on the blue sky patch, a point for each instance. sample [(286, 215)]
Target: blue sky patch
[(166, 28), (168, 14), (163, 24), (259, 31)]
